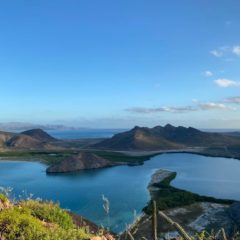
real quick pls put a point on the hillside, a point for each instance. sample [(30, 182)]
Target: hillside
[(165, 138), (82, 161), (4, 137), (35, 139), (38, 220), (40, 135)]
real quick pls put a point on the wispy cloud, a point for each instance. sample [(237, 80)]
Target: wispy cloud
[(226, 51), (183, 109), (234, 100), (161, 109), (216, 53), (224, 83), (208, 73), (214, 105), (236, 50)]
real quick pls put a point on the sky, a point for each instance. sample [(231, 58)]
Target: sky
[(116, 64)]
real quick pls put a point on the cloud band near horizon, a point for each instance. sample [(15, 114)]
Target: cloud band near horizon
[(225, 104)]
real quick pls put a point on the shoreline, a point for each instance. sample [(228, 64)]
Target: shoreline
[(142, 155), (196, 216)]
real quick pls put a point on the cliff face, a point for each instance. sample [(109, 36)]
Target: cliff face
[(80, 162)]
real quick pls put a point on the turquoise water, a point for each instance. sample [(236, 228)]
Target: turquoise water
[(124, 186)]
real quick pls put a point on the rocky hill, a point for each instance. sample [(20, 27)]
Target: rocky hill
[(35, 139), (40, 135), (167, 137), (83, 160), (4, 137)]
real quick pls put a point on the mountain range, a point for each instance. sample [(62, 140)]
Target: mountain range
[(137, 139), (22, 126), (167, 137)]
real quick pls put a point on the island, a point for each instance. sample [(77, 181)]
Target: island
[(82, 161)]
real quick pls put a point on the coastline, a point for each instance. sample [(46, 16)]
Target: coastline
[(18, 159), (195, 217), (131, 157)]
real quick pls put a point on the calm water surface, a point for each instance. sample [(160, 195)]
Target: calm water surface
[(84, 133), (124, 186)]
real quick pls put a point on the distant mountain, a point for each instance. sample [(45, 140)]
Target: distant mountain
[(24, 142), (167, 137), (31, 139), (21, 126), (235, 133), (40, 135), (5, 137)]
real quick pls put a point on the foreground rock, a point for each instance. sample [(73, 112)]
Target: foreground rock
[(79, 162)]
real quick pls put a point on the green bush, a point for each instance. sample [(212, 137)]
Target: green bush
[(34, 220), (49, 212), (16, 224), (70, 234)]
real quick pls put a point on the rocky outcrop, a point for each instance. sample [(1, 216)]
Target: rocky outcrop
[(83, 160)]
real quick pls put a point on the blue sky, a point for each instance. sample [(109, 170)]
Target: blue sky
[(121, 63)]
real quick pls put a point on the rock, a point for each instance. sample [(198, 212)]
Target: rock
[(109, 237), (106, 237)]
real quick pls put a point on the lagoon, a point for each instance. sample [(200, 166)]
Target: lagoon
[(124, 186)]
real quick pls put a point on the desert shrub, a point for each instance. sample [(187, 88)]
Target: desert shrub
[(73, 234), (25, 222), (49, 212), (16, 224), (3, 198)]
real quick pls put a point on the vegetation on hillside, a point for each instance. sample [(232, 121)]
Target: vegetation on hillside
[(36, 220), (53, 157)]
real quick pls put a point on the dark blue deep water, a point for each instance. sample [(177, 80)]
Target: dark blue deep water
[(84, 133), (124, 186)]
